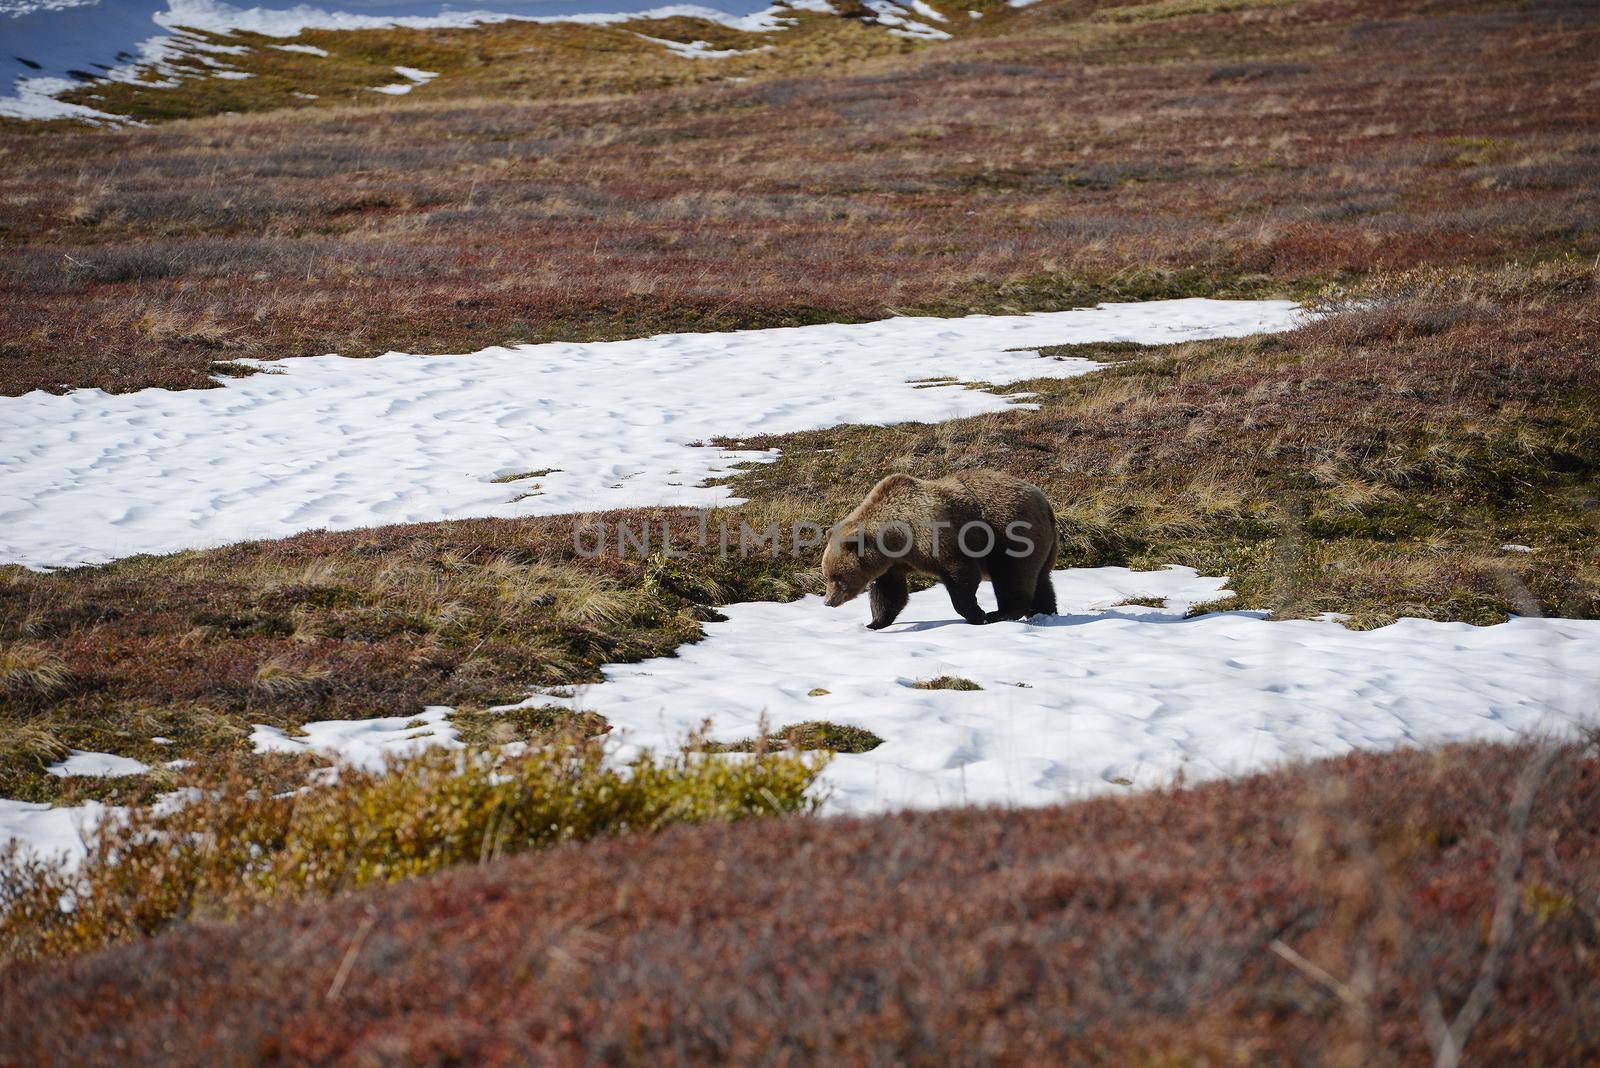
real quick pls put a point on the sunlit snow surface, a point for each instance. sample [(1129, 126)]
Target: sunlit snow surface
[(49, 830), (1099, 698), (337, 443), (98, 765), (364, 743)]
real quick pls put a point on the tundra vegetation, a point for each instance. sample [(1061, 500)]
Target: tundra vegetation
[(1426, 171), (1319, 915), (230, 847), (1046, 158)]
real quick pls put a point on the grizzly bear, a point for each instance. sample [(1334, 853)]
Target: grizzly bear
[(971, 526)]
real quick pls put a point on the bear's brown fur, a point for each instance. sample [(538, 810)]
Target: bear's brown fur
[(971, 526)]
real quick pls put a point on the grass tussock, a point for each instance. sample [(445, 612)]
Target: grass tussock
[(812, 735), (227, 847), (945, 682), (30, 671)]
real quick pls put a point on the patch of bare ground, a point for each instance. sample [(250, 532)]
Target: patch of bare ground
[(1372, 910), (1054, 159)]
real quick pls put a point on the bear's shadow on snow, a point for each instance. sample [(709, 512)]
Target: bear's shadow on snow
[(1074, 619)]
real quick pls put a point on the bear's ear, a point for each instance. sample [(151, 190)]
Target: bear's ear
[(890, 485)]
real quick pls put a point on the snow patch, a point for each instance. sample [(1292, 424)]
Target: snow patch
[(59, 832), (217, 17), (1100, 698), (363, 743), (35, 98), (337, 443), (15, 8), (47, 831), (698, 49), (310, 50), (891, 14), (102, 765), (414, 78)]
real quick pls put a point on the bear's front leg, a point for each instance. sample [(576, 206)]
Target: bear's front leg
[(889, 595), (963, 587)]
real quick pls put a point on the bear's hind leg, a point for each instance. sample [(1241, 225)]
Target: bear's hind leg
[(1044, 594), (1013, 588), (889, 596), (1044, 591)]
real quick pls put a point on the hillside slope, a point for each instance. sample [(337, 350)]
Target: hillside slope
[(1298, 918), (1072, 154)]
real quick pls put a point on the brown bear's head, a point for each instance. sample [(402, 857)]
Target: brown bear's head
[(850, 564)]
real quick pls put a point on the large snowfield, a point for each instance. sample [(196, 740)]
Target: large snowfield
[(1106, 696), (339, 443)]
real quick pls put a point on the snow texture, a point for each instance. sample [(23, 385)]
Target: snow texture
[(364, 743), (338, 443), (59, 832), (414, 78), (104, 765), (889, 13), (35, 98), (1101, 697), (46, 831), (696, 49)]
